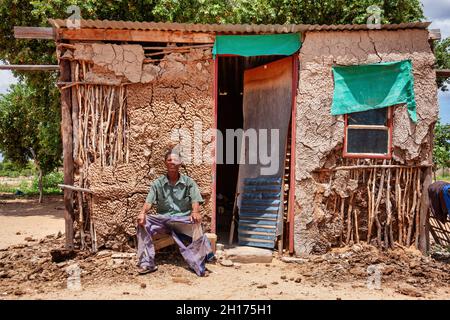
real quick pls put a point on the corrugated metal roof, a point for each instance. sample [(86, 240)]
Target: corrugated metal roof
[(230, 28)]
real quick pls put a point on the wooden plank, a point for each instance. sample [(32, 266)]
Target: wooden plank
[(380, 166), (443, 73), (135, 35), (33, 33), (434, 34), (361, 126), (179, 48), (66, 132), (163, 242), (30, 67)]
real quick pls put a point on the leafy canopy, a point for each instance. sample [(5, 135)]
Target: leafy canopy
[(29, 129), (32, 106), (442, 52), (441, 151)]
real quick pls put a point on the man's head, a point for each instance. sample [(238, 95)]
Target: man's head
[(172, 159)]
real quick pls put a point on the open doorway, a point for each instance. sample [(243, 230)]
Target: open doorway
[(230, 115)]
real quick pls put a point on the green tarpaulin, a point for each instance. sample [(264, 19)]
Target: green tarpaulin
[(373, 86), (258, 45)]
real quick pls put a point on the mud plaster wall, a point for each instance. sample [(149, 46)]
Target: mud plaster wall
[(320, 136), (171, 95)]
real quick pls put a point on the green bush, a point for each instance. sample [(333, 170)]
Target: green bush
[(50, 185), (49, 182), (7, 188), (8, 169)]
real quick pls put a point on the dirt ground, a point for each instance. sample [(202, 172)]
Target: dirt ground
[(25, 217), (28, 272)]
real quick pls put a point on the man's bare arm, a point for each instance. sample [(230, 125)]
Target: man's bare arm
[(195, 215), (143, 214)]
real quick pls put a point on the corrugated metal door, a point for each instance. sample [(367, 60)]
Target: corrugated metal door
[(267, 105)]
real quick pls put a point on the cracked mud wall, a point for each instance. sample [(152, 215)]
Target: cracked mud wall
[(320, 136), (171, 95)]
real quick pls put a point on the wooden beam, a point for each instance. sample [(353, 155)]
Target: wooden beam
[(66, 132), (163, 242), (135, 35), (434, 34), (382, 166), (73, 188), (443, 73), (30, 67), (33, 33)]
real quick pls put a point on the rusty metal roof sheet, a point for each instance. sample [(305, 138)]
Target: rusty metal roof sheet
[(230, 28)]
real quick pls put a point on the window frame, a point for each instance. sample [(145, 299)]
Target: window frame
[(389, 127)]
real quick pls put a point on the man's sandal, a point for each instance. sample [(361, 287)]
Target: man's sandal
[(145, 270)]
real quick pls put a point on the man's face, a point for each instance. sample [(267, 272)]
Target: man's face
[(173, 163)]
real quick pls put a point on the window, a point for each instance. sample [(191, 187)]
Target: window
[(368, 134)]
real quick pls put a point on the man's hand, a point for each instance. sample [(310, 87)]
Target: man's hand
[(196, 217), (141, 219)]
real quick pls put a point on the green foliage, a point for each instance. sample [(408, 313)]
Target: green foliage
[(50, 185), (37, 97), (9, 169), (442, 52), (37, 13), (29, 129), (324, 12), (444, 177), (49, 182), (285, 11), (441, 151)]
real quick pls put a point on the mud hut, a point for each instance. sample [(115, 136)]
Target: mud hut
[(354, 108)]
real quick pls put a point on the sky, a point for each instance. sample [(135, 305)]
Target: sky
[(438, 11)]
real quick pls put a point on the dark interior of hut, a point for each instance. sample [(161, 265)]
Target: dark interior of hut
[(230, 116)]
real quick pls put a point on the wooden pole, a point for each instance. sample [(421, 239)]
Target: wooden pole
[(33, 33), (66, 132), (424, 234), (29, 67), (379, 166), (75, 110), (424, 225), (73, 188)]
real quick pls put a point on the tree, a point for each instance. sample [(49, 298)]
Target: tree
[(37, 13), (41, 86), (441, 150), (28, 130), (442, 52)]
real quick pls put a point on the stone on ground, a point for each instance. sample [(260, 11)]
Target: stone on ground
[(249, 255)]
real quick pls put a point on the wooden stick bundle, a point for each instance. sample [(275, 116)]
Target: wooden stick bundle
[(100, 135)]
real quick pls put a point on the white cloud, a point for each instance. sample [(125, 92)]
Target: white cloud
[(444, 25), (436, 9), (444, 106), (438, 12), (6, 79)]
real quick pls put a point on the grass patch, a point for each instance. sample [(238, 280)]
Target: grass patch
[(50, 186), (445, 178)]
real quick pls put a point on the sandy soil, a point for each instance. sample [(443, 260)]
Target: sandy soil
[(28, 272), (25, 217), (250, 281)]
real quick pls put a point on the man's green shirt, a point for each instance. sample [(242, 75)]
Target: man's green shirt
[(174, 200)]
